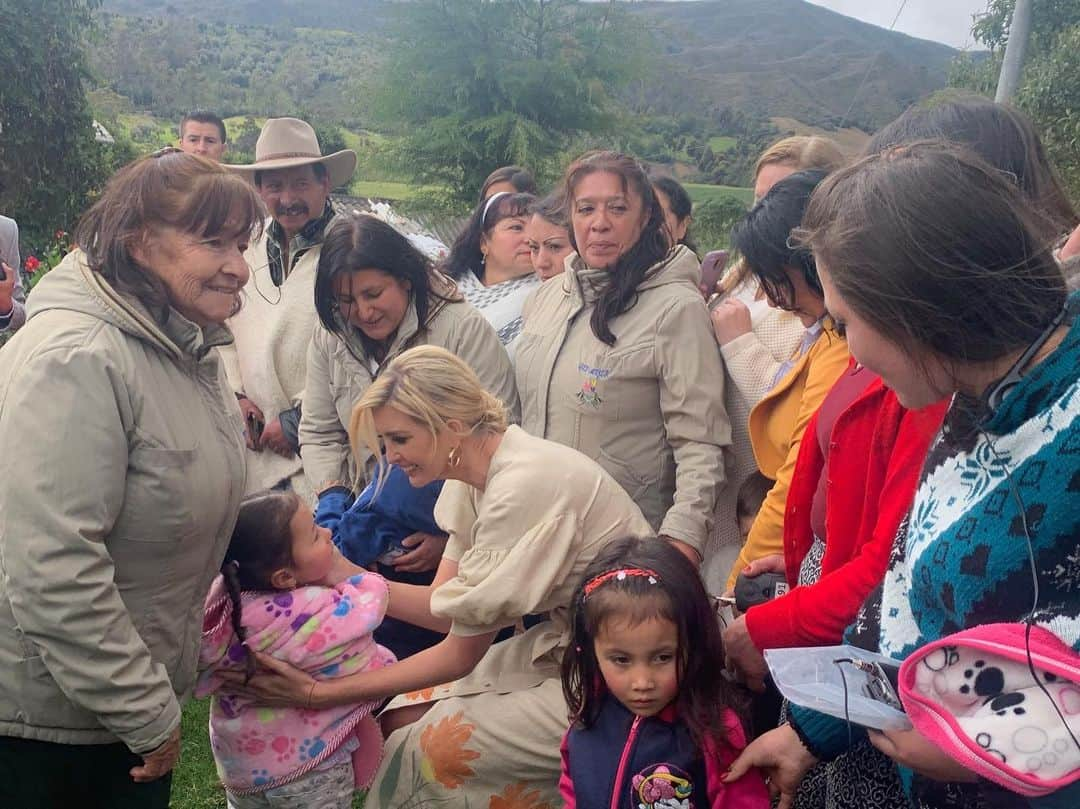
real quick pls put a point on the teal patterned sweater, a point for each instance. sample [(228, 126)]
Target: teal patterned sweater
[(962, 558)]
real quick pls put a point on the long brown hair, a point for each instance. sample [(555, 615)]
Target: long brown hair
[(167, 189), (938, 251), (632, 267), (261, 544), (1001, 135), (676, 594)]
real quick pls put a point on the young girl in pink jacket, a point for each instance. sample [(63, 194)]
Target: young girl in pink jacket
[(275, 596)]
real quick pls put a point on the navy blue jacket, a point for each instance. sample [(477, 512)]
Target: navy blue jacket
[(628, 762), (371, 526)]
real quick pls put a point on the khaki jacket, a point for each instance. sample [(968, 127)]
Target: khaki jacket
[(266, 361), (127, 447), (648, 409), (523, 543), (338, 373)]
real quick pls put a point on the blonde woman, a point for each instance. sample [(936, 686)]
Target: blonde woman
[(755, 340), (525, 517)]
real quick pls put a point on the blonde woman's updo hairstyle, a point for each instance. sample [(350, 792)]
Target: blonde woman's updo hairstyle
[(168, 189), (802, 152), (431, 386)]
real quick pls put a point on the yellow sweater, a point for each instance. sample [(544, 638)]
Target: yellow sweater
[(777, 424)]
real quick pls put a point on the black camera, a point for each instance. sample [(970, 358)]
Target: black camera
[(753, 590)]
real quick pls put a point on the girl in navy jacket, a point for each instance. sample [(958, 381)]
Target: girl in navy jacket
[(652, 726)]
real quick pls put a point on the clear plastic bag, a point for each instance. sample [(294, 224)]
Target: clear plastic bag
[(817, 677)]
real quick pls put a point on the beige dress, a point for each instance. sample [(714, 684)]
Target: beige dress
[(521, 546)]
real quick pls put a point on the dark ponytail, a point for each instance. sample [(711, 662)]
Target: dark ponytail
[(229, 572), (261, 544)]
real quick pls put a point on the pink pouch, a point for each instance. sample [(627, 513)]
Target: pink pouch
[(959, 690)]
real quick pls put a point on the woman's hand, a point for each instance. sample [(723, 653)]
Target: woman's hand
[(730, 319), (742, 656), (914, 751), (275, 684), (427, 550), (273, 438), (252, 415), (782, 759), (773, 563), (158, 762)]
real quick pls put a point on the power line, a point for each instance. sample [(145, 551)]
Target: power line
[(870, 67)]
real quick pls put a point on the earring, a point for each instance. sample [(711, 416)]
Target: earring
[(453, 458), (483, 259)]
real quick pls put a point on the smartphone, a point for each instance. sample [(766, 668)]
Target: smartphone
[(712, 268), (882, 684), (255, 428)]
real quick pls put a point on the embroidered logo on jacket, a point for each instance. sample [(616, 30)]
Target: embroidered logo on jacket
[(662, 787), (588, 395)]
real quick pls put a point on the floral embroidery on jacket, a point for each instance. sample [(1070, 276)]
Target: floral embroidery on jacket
[(663, 787), (588, 393)]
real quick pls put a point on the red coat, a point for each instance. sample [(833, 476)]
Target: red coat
[(876, 454)]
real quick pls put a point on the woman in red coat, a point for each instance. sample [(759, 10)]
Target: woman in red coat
[(854, 481)]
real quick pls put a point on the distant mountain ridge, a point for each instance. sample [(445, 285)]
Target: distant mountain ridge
[(791, 58), (765, 57)]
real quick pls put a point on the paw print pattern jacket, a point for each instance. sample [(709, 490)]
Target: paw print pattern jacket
[(324, 630)]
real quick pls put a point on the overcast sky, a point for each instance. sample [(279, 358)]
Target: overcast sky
[(947, 21)]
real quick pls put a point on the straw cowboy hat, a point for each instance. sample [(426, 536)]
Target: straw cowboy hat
[(288, 142)]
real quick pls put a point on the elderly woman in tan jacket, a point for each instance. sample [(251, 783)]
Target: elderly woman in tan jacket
[(617, 358), (525, 517), (128, 446)]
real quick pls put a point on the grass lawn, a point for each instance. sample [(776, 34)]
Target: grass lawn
[(721, 143), (700, 192), (382, 189), (195, 783)]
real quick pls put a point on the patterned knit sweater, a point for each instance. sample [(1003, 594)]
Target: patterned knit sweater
[(962, 558), (966, 560)]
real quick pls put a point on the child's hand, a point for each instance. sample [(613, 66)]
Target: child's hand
[(426, 553)]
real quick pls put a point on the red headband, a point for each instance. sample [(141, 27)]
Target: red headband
[(619, 575)]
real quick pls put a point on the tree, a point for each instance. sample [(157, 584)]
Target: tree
[(1049, 91), (50, 163), (475, 84)]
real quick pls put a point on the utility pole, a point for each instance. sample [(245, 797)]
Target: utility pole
[(1012, 66)]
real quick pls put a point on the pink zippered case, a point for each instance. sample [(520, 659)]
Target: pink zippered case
[(973, 694)]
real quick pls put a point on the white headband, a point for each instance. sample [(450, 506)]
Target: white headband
[(488, 204)]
